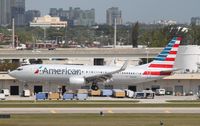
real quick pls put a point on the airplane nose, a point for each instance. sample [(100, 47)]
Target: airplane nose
[(12, 73)]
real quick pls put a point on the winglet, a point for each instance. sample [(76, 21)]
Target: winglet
[(124, 66)]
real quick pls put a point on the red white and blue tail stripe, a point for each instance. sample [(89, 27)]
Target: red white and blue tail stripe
[(163, 64)]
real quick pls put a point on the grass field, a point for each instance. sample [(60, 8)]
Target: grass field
[(106, 120), (65, 104)]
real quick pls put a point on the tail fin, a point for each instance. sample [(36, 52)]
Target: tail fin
[(163, 64)]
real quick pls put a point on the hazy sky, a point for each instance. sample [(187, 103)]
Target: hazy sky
[(132, 10)]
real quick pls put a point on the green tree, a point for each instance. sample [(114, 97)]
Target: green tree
[(194, 34), (135, 34)]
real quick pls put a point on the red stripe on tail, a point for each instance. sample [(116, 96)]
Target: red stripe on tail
[(173, 52), (170, 59), (176, 45)]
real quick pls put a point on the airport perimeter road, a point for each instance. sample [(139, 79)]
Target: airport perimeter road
[(78, 52), (96, 110)]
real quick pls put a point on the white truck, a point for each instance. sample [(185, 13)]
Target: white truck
[(160, 91), (21, 47), (6, 92)]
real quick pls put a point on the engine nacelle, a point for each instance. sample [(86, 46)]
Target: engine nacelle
[(77, 81), (109, 80)]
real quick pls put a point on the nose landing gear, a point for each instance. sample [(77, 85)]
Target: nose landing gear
[(94, 87)]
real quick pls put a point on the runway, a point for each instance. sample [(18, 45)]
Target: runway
[(96, 110)]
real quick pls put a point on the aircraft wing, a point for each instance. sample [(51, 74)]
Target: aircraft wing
[(106, 76)]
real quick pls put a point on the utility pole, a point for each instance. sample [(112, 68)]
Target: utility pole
[(13, 33), (66, 40), (128, 37), (34, 43), (147, 51), (45, 34), (115, 34)]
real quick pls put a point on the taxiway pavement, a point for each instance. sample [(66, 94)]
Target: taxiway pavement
[(98, 110)]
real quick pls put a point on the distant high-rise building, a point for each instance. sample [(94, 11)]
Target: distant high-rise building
[(18, 12), (5, 12), (12, 9), (53, 12), (87, 17), (112, 14), (63, 14), (75, 16), (30, 14), (195, 20)]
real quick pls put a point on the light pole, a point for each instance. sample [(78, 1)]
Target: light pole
[(147, 56), (115, 33), (128, 36), (147, 51), (102, 38), (45, 34), (13, 33)]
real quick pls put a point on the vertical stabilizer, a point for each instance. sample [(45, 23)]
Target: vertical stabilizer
[(163, 63)]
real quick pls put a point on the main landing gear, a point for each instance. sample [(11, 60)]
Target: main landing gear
[(94, 87)]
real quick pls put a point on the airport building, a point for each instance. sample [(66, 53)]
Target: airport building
[(48, 21), (183, 82)]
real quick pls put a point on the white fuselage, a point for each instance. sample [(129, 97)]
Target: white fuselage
[(62, 73)]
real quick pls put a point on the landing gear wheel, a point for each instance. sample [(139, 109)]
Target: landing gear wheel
[(94, 87)]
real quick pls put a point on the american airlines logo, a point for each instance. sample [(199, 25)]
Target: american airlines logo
[(37, 71), (54, 71)]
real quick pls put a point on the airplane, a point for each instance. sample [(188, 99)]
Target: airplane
[(161, 66)]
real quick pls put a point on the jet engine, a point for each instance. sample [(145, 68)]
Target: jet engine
[(109, 80)]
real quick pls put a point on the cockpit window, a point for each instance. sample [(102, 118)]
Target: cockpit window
[(19, 69)]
